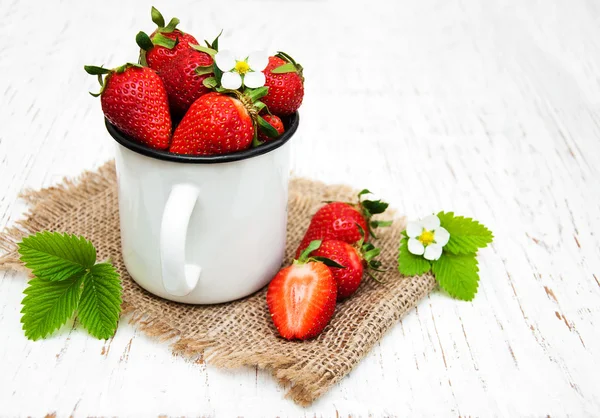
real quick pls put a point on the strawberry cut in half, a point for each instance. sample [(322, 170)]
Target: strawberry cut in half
[(301, 298)]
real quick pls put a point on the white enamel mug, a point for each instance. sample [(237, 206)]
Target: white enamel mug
[(203, 229)]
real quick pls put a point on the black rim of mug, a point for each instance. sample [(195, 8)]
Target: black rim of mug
[(290, 122)]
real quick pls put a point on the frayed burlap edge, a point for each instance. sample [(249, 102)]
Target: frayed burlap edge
[(47, 204)]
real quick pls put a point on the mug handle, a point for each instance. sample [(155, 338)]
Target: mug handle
[(179, 278)]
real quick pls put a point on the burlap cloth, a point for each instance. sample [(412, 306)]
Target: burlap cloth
[(239, 333)]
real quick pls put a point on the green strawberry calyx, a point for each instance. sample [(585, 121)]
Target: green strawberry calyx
[(159, 20), (290, 66), (250, 98), (368, 252), (369, 208), (103, 74), (146, 43), (305, 256)]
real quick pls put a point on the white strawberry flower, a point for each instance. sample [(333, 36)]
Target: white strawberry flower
[(239, 70), (426, 237)]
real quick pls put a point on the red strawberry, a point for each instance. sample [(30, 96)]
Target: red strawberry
[(214, 124), (275, 122), (353, 258), (348, 279), (165, 43), (301, 298), (135, 101), (286, 85), (183, 77), (344, 221)]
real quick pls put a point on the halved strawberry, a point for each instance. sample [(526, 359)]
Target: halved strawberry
[(301, 297)]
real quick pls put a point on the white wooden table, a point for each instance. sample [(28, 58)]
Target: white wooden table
[(490, 109)]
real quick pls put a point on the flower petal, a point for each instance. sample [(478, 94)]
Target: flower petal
[(258, 60), (231, 81), (433, 252), (441, 236), (254, 79), (225, 60), (415, 246), (414, 229), (431, 222)]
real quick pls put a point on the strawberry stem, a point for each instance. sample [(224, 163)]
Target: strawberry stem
[(255, 94)]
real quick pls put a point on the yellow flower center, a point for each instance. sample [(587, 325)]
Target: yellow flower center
[(242, 67), (426, 237)]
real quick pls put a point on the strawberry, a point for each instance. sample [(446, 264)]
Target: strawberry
[(165, 43), (215, 124), (275, 122), (301, 298), (184, 76), (134, 100), (353, 258), (344, 221), (286, 84)]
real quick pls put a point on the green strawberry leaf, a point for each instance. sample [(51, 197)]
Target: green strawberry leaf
[(312, 246), (466, 234), (144, 41), (171, 26), (161, 40), (267, 128), (204, 49), (260, 106), (94, 70), (457, 275), (203, 70), (49, 304), (410, 264), (100, 302), (285, 68), (374, 207), (257, 93), (55, 257), (378, 224), (210, 82), (215, 43), (327, 261), (157, 17)]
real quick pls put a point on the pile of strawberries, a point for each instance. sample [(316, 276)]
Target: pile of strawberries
[(176, 98), (329, 267)]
